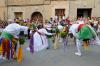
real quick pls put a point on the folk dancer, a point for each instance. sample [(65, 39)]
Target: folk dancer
[(7, 36), (38, 39), (82, 33)]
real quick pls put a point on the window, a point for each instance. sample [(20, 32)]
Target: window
[(60, 12), (18, 15)]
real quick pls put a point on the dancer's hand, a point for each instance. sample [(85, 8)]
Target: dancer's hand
[(53, 33)]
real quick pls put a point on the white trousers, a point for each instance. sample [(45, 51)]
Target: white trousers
[(78, 45)]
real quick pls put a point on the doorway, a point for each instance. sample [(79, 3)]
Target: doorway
[(37, 16), (84, 12)]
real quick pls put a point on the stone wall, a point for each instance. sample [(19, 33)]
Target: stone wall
[(93, 4), (26, 2), (46, 7), (46, 10), (2, 9)]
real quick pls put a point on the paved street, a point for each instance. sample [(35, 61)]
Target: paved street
[(58, 57)]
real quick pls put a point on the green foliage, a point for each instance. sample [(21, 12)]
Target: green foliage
[(63, 34), (55, 30)]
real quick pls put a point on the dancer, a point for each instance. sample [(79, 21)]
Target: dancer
[(38, 39), (82, 32), (9, 33)]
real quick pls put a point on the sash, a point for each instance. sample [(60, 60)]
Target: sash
[(31, 46), (80, 26), (6, 35)]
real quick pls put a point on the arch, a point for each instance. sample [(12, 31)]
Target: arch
[(37, 16)]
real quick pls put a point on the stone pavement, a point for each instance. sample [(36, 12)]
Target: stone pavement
[(58, 57)]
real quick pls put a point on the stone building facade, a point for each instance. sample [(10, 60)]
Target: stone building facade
[(44, 9)]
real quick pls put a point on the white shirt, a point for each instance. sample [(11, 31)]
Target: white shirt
[(80, 22), (73, 29), (48, 26), (14, 29)]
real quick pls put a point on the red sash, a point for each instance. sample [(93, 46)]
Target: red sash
[(80, 26)]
